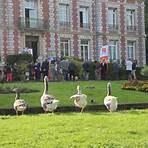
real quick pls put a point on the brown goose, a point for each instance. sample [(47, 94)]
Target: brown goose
[(48, 102), (110, 101), (80, 100), (19, 104)]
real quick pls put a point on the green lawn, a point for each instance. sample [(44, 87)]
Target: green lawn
[(63, 90), (126, 129)]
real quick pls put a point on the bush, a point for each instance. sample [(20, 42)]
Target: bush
[(78, 62), (110, 72), (92, 71), (22, 61), (144, 71), (11, 59)]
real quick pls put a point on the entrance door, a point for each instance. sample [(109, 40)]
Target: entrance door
[(34, 47), (32, 42)]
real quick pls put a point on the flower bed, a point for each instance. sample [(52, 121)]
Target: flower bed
[(136, 85)]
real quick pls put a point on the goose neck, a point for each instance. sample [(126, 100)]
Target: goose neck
[(17, 96), (45, 86)]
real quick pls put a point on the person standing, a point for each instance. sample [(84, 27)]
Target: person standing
[(45, 68), (86, 69), (9, 74), (134, 65), (71, 70), (37, 70), (129, 69), (64, 66), (103, 67)]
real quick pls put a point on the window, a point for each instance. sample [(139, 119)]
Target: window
[(113, 50), (65, 47), (31, 13), (130, 17), (130, 49), (84, 18), (85, 50), (64, 17), (112, 17)]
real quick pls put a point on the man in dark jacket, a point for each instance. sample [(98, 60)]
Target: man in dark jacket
[(86, 68), (45, 68), (103, 67), (71, 70)]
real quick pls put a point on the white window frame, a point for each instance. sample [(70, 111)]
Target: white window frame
[(130, 17), (64, 14), (112, 16), (113, 48), (65, 43), (85, 17), (84, 47), (131, 46), (33, 13)]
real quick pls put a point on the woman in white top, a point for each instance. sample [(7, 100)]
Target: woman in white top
[(129, 69)]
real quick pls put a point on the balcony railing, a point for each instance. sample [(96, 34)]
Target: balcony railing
[(32, 23), (131, 28), (112, 27), (64, 24), (84, 26)]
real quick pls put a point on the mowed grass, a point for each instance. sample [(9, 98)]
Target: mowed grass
[(126, 129), (63, 90)]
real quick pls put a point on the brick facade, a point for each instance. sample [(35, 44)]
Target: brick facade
[(13, 37)]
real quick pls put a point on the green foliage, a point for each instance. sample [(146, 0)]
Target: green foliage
[(110, 74), (22, 61), (144, 71), (11, 59), (78, 62), (92, 71), (126, 129)]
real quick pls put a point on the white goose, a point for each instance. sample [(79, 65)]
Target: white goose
[(110, 101), (80, 100), (48, 102), (19, 104)]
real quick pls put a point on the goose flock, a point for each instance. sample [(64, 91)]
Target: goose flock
[(49, 103)]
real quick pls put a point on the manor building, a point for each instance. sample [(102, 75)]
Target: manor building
[(73, 28)]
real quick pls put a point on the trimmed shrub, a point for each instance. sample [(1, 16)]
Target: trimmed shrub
[(144, 71)]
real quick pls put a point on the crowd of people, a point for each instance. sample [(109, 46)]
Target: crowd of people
[(66, 70)]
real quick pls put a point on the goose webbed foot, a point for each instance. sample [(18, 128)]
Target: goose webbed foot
[(16, 113)]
